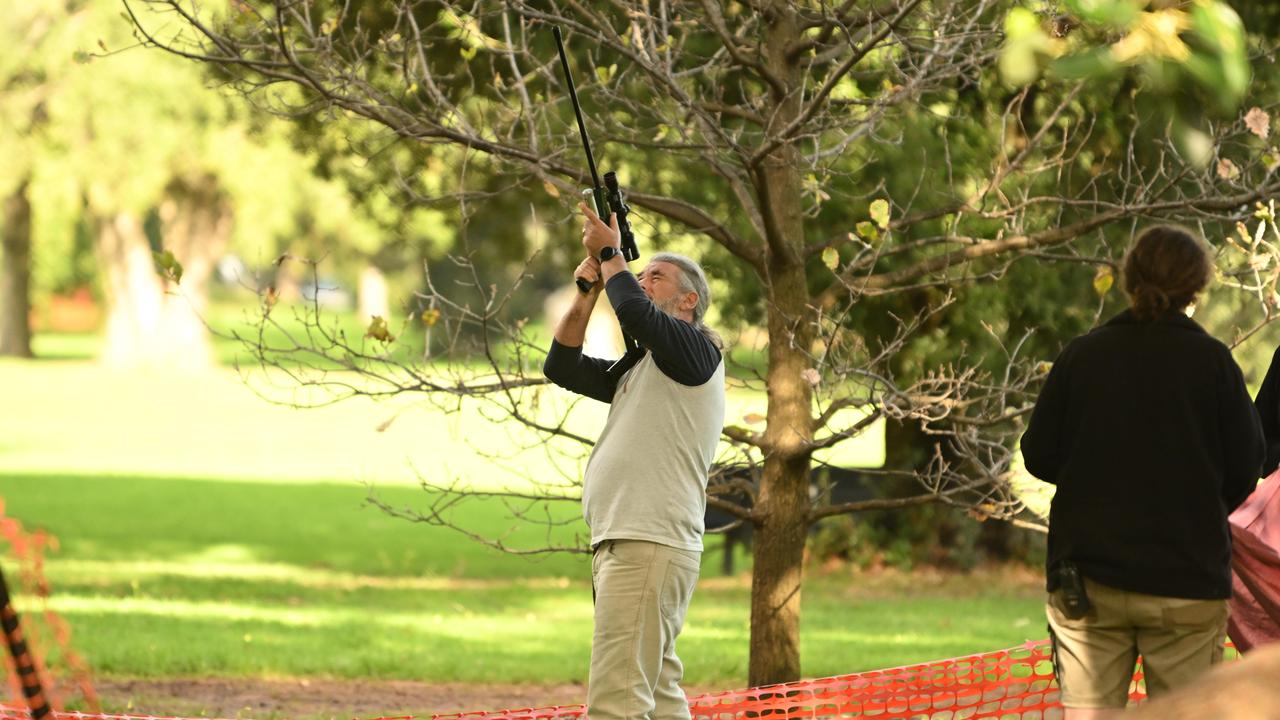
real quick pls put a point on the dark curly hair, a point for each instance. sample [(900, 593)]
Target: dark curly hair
[(1164, 270)]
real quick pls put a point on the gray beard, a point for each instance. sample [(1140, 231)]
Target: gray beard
[(670, 307)]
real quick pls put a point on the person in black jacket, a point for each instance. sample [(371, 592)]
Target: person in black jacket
[(1147, 429), (1268, 404)]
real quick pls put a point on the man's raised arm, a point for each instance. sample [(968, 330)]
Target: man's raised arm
[(565, 365)]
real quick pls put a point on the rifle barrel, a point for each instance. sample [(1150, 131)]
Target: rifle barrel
[(581, 127)]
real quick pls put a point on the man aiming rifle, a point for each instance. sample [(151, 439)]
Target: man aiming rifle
[(644, 488)]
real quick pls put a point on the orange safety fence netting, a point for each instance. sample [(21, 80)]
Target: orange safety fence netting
[(1016, 683)]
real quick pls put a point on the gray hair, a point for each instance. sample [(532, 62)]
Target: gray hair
[(693, 280)]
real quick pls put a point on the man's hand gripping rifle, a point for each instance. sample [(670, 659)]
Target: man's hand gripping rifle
[(607, 197)]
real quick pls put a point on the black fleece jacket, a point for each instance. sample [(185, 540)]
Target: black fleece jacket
[(1147, 429), (1268, 404)]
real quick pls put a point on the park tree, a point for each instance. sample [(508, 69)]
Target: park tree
[(22, 112), (858, 174), (131, 172)]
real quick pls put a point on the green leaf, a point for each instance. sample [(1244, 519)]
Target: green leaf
[(1018, 64), (1221, 63), (831, 258), (1091, 64), (880, 213), (167, 265), (1021, 23), (1116, 13), (1195, 144), (605, 74), (467, 52), (867, 231)]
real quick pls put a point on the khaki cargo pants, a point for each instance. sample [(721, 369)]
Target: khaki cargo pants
[(1178, 638), (642, 592)]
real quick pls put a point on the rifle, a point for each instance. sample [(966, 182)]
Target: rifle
[(608, 198)]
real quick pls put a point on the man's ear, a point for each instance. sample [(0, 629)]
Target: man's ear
[(690, 301)]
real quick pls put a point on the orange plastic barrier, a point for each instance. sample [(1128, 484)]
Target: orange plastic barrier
[(1016, 683)]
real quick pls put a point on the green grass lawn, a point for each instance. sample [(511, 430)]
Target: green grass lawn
[(164, 576), (205, 532)]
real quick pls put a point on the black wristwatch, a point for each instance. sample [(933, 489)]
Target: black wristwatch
[(607, 253)]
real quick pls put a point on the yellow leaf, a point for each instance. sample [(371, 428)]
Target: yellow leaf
[(753, 418), (1103, 280), (880, 213), (430, 317), (551, 189), (378, 330), (1243, 231), (1157, 34), (831, 258)]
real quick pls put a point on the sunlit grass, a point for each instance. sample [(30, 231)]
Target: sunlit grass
[(168, 576), (512, 631), (85, 419)]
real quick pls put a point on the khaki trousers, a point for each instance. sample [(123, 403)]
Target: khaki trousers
[(1179, 640), (642, 591)]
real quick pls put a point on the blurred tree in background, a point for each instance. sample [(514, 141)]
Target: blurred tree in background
[(125, 156)]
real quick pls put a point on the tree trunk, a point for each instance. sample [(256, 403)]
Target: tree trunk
[(197, 228), (15, 275), (134, 293), (152, 322), (783, 502), (373, 296)]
